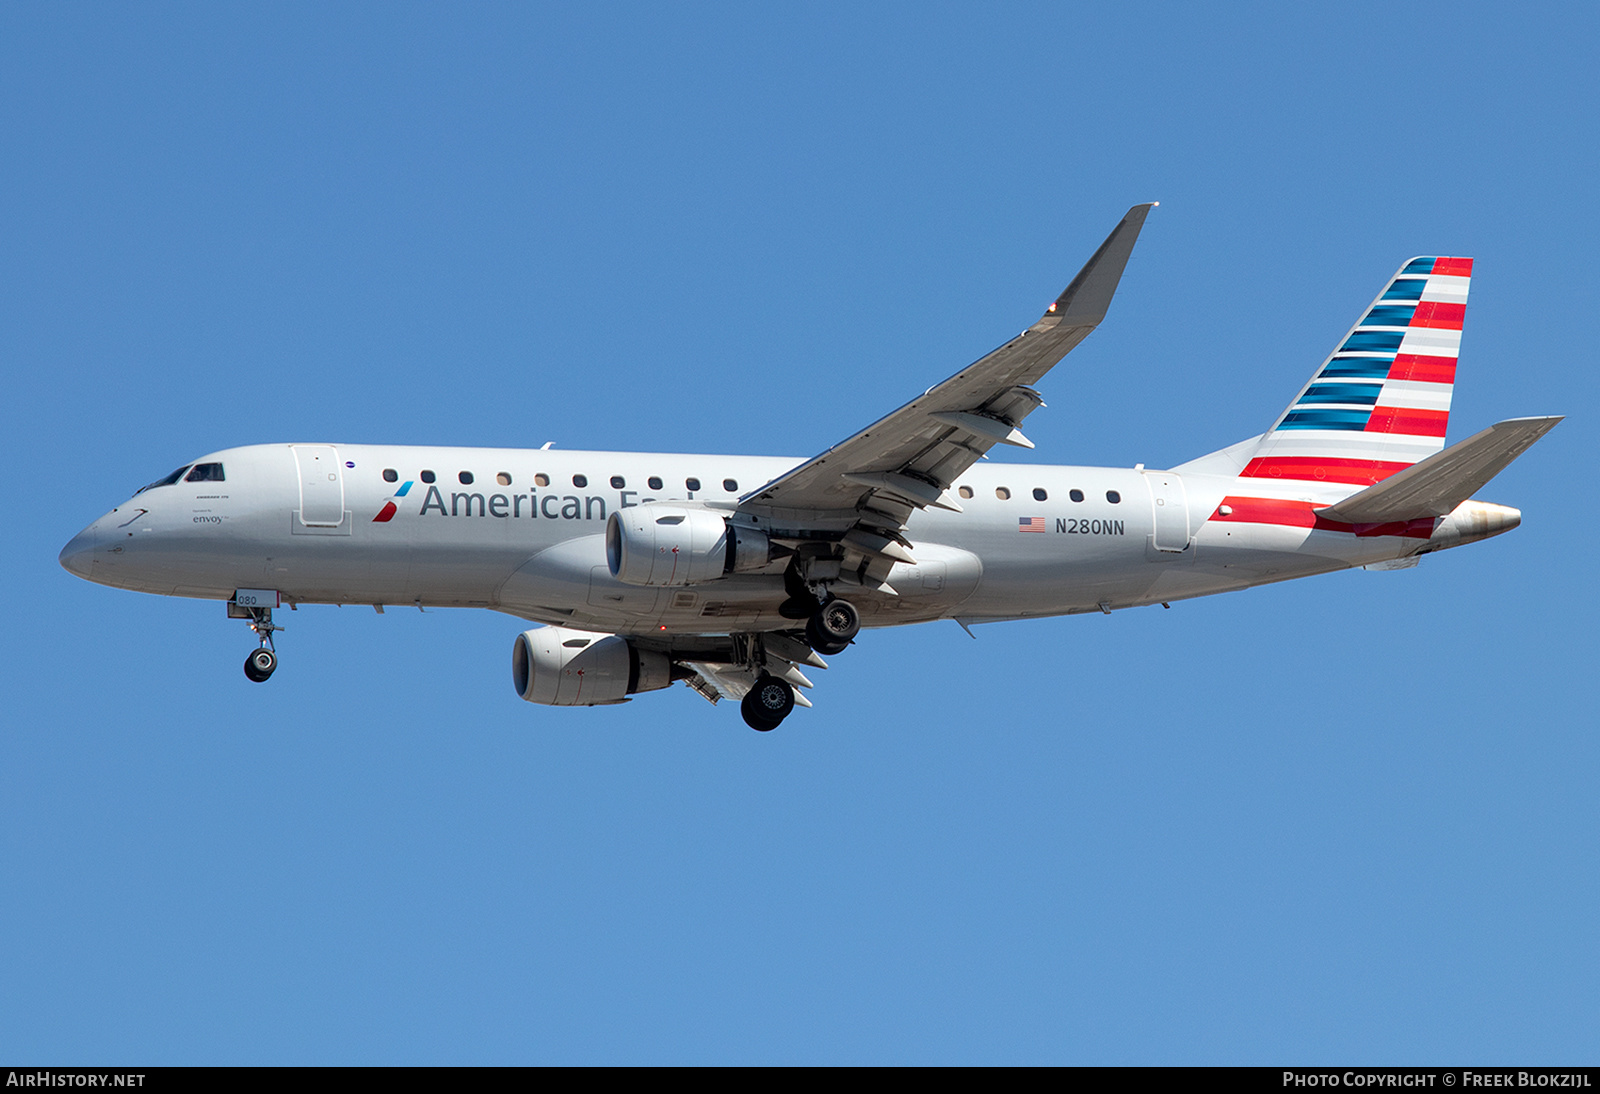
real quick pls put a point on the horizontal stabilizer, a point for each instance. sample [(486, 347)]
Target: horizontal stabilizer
[(1436, 485)]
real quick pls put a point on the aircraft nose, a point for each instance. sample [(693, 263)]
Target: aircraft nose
[(78, 555)]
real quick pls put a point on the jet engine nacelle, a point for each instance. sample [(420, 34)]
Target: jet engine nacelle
[(663, 544), (561, 667)]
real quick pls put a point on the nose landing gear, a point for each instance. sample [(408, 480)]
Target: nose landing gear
[(263, 662)]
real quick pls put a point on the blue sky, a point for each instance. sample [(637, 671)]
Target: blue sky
[(1345, 819)]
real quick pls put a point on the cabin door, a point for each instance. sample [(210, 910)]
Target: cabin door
[(321, 485)]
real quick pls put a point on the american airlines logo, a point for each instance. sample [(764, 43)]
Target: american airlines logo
[(390, 508), (530, 505)]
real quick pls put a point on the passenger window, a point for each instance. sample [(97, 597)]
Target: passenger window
[(692, 484), (1113, 497), (1076, 495), (205, 472), (965, 491), (731, 485), (1040, 495), (654, 482), (503, 478), (580, 481), (618, 482), (427, 476), (1002, 493), (390, 475), (466, 478), (541, 479)]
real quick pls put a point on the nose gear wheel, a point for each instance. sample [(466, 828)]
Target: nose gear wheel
[(261, 664)]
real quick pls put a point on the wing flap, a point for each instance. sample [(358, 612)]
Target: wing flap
[(1436, 485), (734, 681)]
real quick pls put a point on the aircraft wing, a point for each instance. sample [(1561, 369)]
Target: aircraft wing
[(868, 485), (726, 666), (718, 681)]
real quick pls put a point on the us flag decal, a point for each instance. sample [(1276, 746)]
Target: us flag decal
[(1030, 524)]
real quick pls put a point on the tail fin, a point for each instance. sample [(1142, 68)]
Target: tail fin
[(1381, 401)]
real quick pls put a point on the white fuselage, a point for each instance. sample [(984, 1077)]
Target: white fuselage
[(321, 524)]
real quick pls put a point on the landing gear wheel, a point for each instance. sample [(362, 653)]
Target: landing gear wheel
[(833, 627), (260, 664), (822, 645), (767, 704)]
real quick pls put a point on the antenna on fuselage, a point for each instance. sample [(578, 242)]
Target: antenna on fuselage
[(547, 446)]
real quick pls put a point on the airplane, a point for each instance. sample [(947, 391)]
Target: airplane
[(735, 573)]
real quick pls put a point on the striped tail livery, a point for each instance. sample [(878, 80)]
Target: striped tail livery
[(1381, 400)]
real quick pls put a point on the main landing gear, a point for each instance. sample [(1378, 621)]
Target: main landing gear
[(767, 704), (833, 626), (263, 662), (831, 623)]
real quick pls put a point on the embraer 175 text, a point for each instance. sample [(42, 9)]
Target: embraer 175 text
[(730, 573)]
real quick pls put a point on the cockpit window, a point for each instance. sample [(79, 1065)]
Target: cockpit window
[(205, 472), (168, 481)]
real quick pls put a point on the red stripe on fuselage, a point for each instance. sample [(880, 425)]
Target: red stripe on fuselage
[(1416, 366), (1321, 469), (1299, 514), (385, 514), (1409, 421)]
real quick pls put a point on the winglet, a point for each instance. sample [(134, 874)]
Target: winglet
[(1086, 300)]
